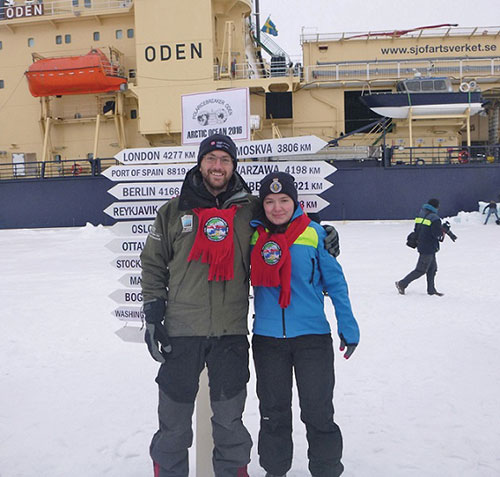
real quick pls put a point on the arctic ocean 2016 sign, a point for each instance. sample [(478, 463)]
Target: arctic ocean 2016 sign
[(216, 112)]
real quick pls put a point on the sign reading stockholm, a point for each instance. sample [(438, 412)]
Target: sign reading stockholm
[(216, 112)]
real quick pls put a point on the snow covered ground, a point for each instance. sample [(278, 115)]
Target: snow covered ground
[(420, 396)]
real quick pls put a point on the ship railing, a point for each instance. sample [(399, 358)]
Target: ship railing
[(55, 169), (459, 69), (422, 156), (64, 7), (247, 71)]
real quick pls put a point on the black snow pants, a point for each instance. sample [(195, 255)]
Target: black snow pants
[(311, 358), (226, 358), (426, 265)]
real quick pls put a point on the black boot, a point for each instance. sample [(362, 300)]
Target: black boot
[(401, 290), (435, 292)]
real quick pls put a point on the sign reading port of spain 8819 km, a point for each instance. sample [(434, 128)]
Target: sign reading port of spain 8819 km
[(287, 146)]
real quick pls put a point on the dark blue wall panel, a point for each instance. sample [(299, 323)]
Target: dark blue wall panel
[(360, 192)]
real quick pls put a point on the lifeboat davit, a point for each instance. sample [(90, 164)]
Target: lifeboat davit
[(85, 74)]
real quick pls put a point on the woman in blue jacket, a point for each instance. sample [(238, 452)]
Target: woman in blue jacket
[(290, 268)]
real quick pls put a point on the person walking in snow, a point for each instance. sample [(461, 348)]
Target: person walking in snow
[(492, 209), (429, 232), (290, 268)]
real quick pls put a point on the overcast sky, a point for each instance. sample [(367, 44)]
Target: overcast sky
[(335, 16)]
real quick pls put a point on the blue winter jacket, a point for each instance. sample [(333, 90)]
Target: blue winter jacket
[(428, 230), (313, 270)]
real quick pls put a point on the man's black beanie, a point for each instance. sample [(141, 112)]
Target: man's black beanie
[(434, 203), (218, 142), (278, 183)]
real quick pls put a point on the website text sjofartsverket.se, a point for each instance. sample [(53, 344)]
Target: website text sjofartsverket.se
[(426, 49)]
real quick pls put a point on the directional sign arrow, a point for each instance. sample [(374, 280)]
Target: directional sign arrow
[(300, 170), (312, 203), (133, 210), (146, 190), (173, 172), (132, 280), (287, 146), (128, 313), (127, 296), (306, 185), (126, 245), (129, 228), (127, 262)]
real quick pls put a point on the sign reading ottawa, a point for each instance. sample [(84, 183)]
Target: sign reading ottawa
[(179, 51)]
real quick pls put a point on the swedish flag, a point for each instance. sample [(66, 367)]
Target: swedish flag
[(269, 27)]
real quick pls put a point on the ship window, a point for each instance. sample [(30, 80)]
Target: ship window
[(31, 42), (413, 86), (440, 85), (133, 114), (130, 33), (428, 85), (87, 3), (75, 3), (67, 38), (119, 34), (131, 73), (1, 45), (58, 39), (2, 84), (97, 36)]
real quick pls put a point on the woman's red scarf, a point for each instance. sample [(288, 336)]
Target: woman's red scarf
[(214, 241), (271, 260)]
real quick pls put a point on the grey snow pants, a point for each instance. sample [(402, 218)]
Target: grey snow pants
[(226, 358)]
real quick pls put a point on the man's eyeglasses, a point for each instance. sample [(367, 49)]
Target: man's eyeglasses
[(225, 161)]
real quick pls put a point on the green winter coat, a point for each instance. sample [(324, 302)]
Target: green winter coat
[(195, 306)]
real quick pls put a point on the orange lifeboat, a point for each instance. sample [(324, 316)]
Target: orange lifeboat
[(85, 74)]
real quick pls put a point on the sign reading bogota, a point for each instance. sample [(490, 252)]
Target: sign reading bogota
[(216, 112), (287, 146)]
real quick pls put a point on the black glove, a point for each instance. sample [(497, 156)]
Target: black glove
[(350, 347), (156, 336), (332, 243)]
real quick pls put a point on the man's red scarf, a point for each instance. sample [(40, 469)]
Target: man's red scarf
[(271, 260), (214, 241)]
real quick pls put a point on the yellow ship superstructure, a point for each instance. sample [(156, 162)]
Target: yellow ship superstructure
[(169, 49)]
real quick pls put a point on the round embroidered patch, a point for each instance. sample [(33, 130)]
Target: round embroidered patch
[(271, 253), (216, 229), (275, 186)]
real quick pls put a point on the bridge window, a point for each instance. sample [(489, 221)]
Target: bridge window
[(97, 36), (413, 86), (440, 85), (130, 33), (119, 34), (31, 42), (428, 85)]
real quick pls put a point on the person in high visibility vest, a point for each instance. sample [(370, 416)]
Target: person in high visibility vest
[(429, 232)]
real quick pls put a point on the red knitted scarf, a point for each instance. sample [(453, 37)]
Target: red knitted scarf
[(214, 241), (271, 260)]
